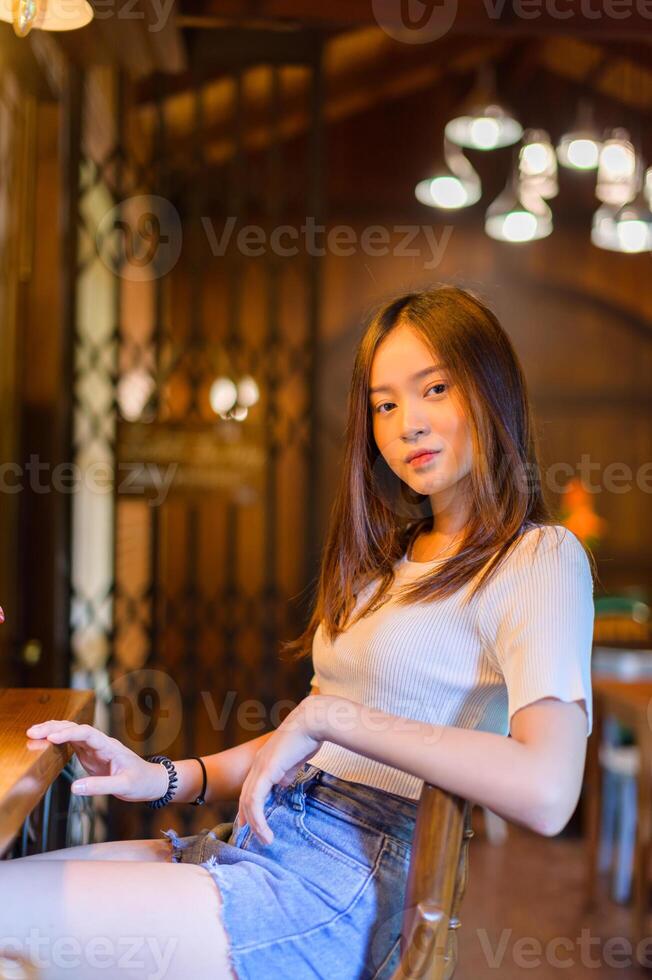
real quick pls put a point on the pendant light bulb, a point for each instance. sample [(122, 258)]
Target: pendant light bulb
[(580, 148), (454, 183), (518, 215), (627, 228), (537, 164), (486, 124), (634, 219), (486, 127), (616, 183)]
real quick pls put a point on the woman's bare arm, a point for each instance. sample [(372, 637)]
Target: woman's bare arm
[(533, 778)]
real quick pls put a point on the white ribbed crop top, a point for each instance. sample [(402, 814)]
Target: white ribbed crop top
[(526, 635)]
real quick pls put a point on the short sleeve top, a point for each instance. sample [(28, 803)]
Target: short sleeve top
[(526, 635)]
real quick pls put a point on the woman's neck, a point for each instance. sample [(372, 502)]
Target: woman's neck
[(433, 544), (450, 511)]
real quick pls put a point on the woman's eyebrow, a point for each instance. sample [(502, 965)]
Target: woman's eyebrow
[(415, 377)]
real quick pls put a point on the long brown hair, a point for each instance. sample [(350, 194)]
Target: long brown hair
[(375, 515)]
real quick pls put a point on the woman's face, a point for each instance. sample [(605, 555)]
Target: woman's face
[(418, 408)]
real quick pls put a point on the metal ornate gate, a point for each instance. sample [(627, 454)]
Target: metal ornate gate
[(193, 537)]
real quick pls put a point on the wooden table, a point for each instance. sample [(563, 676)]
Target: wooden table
[(29, 766), (631, 703)]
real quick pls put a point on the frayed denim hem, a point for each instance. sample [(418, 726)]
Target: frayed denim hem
[(212, 865), (194, 841), (223, 883), (177, 844)]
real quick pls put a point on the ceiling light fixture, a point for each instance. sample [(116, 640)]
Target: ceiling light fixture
[(616, 182), (487, 125), (579, 149), (454, 183), (45, 15), (518, 215), (537, 164)]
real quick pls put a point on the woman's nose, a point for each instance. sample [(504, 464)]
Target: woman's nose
[(413, 421)]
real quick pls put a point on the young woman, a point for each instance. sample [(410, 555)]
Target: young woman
[(451, 612)]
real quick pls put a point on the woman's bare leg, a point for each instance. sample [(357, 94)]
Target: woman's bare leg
[(113, 850), (86, 920)]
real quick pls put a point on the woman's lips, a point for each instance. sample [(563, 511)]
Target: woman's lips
[(423, 459)]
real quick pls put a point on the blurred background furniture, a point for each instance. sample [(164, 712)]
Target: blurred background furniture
[(620, 769), (619, 759), (619, 619), (626, 702)]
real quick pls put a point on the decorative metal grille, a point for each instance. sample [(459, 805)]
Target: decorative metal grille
[(181, 592)]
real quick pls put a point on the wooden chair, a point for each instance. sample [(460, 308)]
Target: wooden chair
[(437, 878)]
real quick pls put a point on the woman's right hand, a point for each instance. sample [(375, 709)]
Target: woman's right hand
[(112, 767)]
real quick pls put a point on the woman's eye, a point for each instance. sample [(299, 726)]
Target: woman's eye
[(439, 384)]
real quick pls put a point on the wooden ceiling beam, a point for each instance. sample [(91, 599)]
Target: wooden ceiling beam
[(214, 55), (518, 69), (364, 68), (361, 68), (620, 77), (596, 19)]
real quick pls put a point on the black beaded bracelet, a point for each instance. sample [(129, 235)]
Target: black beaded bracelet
[(172, 781), (199, 801)]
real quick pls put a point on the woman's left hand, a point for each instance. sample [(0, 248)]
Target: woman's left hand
[(279, 760)]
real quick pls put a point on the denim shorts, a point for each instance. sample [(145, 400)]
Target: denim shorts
[(325, 898)]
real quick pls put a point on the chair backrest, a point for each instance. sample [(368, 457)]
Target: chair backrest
[(437, 877)]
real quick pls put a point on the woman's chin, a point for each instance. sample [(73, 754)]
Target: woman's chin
[(425, 482)]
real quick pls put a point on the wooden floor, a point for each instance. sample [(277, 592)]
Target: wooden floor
[(527, 893)]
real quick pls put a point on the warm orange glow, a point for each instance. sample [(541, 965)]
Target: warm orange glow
[(578, 513)]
